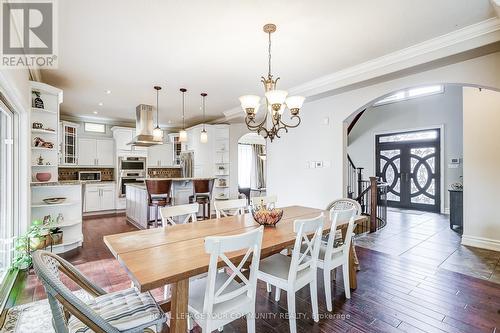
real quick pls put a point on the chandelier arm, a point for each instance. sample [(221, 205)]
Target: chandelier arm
[(291, 118)]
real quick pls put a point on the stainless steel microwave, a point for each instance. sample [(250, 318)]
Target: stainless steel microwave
[(89, 176)]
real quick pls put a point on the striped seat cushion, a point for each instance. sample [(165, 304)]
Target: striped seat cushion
[(124, 310)]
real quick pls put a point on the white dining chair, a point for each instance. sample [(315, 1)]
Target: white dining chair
[(169, 213), (264, 200), (218, 299), (233, 207), (331, 257), (295, 272)]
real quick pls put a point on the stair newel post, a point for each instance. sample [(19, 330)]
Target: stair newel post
[(360, 181), (373, 204)]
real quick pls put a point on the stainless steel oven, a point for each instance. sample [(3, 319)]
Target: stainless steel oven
[(131, 163), (132, 169), (130, 177)]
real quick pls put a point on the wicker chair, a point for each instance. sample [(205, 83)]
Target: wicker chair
[(123, 311), (344, 204)]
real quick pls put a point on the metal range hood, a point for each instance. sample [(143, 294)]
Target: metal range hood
[(144, 127)]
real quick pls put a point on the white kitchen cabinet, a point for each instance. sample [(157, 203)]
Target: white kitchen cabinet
[(87, 150), (92, 199), (122, 136), (69, 146), (95, 152), (104, 153), (99, 197), (160, 156)]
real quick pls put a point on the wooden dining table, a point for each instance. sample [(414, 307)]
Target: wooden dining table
[(157, 257)]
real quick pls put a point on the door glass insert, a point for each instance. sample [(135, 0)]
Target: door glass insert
[(410, 136), (390, 171)]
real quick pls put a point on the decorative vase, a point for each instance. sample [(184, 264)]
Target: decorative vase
[(43, 176), (38, 243)]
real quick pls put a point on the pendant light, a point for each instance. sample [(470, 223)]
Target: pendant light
[(183, 133), (157, 132), (203, 135)]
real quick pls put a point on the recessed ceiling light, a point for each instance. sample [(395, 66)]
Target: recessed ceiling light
[(95, 112), (107, 92), (100, 103), (170, 121)]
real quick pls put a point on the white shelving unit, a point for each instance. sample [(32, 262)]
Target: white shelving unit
[(71, 208), (221, 167), (49, 118)]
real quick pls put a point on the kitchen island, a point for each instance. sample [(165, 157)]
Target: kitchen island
[(137, 199)]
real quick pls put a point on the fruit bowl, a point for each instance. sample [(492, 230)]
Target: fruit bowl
[(267, 216)]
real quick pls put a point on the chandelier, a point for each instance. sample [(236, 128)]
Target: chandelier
[(276, 101)]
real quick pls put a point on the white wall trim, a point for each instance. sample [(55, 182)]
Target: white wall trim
[(481, 242), (23, 160), (461, 40)]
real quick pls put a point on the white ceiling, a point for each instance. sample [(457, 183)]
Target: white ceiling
[(219, 47)]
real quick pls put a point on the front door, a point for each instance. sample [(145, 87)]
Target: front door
[(409, 162)]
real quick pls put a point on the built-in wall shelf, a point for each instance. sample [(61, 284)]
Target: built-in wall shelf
[(65, 203), (43, 110), (69, 223), (43, 131), (67, 244), (43, 166), (43, 149)]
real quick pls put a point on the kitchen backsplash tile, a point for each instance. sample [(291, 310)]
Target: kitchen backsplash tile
[(72, 173), (164, 172)]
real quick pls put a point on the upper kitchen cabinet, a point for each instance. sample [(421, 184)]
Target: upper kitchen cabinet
[(95, 152), (160, 155), (68, 138), (124, 135), (176, 148)]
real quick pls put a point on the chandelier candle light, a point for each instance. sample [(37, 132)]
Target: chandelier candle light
[(203, 135), (183, 133), (276, 102), (157, 132)]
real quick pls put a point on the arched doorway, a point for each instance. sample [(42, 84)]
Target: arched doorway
[(251, 165), (469, 167)]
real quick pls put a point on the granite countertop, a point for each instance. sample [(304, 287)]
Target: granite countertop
[(59, 183), (72, 182), (180, 179)]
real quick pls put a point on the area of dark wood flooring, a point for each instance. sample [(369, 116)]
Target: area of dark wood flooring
[(394, 294)]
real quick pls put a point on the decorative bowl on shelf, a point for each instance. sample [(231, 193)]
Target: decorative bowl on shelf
[(53, 201), (266, 216), (43, 176)]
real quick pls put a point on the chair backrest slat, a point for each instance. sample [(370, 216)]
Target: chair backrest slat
[(336, 216), (223, 208), (168, 213), (249, 244), (309, 233)]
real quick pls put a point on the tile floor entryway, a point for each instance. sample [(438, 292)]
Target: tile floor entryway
[(427, 238)]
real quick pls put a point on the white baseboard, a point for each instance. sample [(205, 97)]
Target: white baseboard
[(480, 242), (446, 211)]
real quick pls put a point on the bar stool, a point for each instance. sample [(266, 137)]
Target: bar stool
[(158, 196), (202, 194)]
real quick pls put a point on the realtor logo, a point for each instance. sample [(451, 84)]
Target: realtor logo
[(28, 34)]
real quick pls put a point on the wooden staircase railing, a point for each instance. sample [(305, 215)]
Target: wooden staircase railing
[(371, 195)]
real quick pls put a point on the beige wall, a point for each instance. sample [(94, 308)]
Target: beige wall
[(481, 165), (236, 131)]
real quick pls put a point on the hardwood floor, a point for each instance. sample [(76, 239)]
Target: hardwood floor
[(394, 294)]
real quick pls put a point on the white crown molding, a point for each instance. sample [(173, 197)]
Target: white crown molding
[(458, 41)]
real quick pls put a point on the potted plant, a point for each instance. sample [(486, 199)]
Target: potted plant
[(22, 255), (37, 235)]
